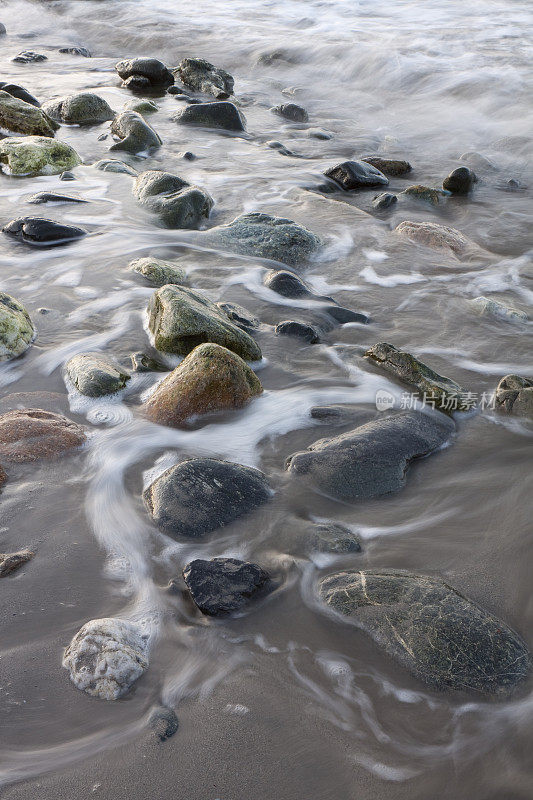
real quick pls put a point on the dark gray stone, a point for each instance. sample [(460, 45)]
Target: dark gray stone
[(286, 283), (176, 202), (460, 181), (223, 586), (299, 330), (95, 375), (388, 166), (52, 197), (151, 71), (201, 76), (265, 236), (212, 115), (38, 231), (344, 315), (164, 722), (356, 175), (330, 537), (29, 57), (382, 202), (72, 50), (20, 93), (292, 112)]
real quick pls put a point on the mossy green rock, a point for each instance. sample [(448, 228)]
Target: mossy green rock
[(95, 375), (20, 117), (141, 106), (440, 636), (16, 328), (37, 155), (487, 307), (85, 108), (157, 271), (425, 193), (181, 319)]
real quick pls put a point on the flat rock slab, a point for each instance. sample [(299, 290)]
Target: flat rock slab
[(427, 626), (204, 494), (18, 116), (223, 585), (95, 375), (10, 562), (371, 460), (222, 115), (52, 197), (32, 433), (37, 155), (16, 328)]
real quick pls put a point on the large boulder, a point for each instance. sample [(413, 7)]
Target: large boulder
[(201, 76), (212, 115), (16, 328), (158, 272), (389, 166), (434, 235), (38, 231), (264, 236), (144, 73), (176, 202), (223, 586), (514, 395), (95, 375), (135, 135), (371, 460), (203, 494), (19, 91), (436, 390), (439, 635), (20, 117), (106, 657), (182, 318), (37, 155), (210, 378), (352, 175), (32, 433), (84, 108)]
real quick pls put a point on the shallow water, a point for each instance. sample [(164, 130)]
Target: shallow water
[(323, 712)]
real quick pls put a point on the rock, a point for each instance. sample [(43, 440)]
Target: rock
[(356, 175), (141, 362), (371, 460), (164, 722), (223, 586), (3, 29), (345, 315), (265, 236), (152, 72), (29, 57), (135, 135), (84, 108), (67, 176), (317, 133), (106, 657), (203, 494), (292, 112), (460, 181), (176, 202), (389, 166), (239, 315), (300, 330), (382, 202), (20, 93), (330, 537), (158, 272), (212, 115), (52, 197), (493, 308), (211, 378), (95, 375), (16, 328), (3, 477), (439, 635), (477, 161), (32, 433), (181, 318), (179, 92), (38, 231), (201, 76), (514, 395), (425, 193), (113, 165), (286, 283), (9, 562), (438, 391), (37, 155), (72, 50), (20, 117), (141, 106), (433, 235)]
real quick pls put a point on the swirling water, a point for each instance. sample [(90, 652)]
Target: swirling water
[(280, 702)]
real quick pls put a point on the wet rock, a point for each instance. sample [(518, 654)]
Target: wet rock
[(9, 562), (29, 57), (317, 133), (356, 175), (239, 315), (440, 636), (135, 135), (338, 415), (113, 165), (141, 362), (179, 92), (32, 433), (286, 283), (20, 93), (292, 112), (164, 722), (16, 328), (201, 76), (3, 29), (223, 586), (433, 235), (389, 166), (425, 193), (141, 106), (20, 117), (460, 181), (146, 72), (73, 50), (84, 108), (264, 236), (52, 197), (514, 395), (300, 330), (176, 202), (37, 155), (67, 176), (95, 375), (106, 657), (203, 494), (371, 460), (212, 115), (382, 202), (284, 151), (181, 318), (487, 307), (345, 315), (477, 161), (330, 537), (441, 392), (158, 272), (38, 231), (3, 477)]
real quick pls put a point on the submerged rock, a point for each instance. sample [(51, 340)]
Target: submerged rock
[(239, 315), (29, 57), (176, 202), (141, 106), (441, 637), (73, 50), (383, 201), (20, 92), (300, 330), (286, 283), (201, 76), (223, 586), (203, 494), (371, 460), (292, 112), (95, 375), (493, 308), (84, 108), (135, 134), (477, 161), (106, 657), (32, 433), (460, 181), (212, 115), (182, 318), (330, 537), (18, 116), (433, 235), (264, 236), (150, 71), (142, 362), (113, 165), (16, 328), (425, 193), (39, 231), (52, 197), (514, 395), (438, 391), (37, 155), (157, 271), (9, 562), (389, 166), (356, 175), (345, 315)]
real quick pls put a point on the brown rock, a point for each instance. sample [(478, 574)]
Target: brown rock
[(434, 235), (3, 477), (9, 562), (389, 166), (31, 433)]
